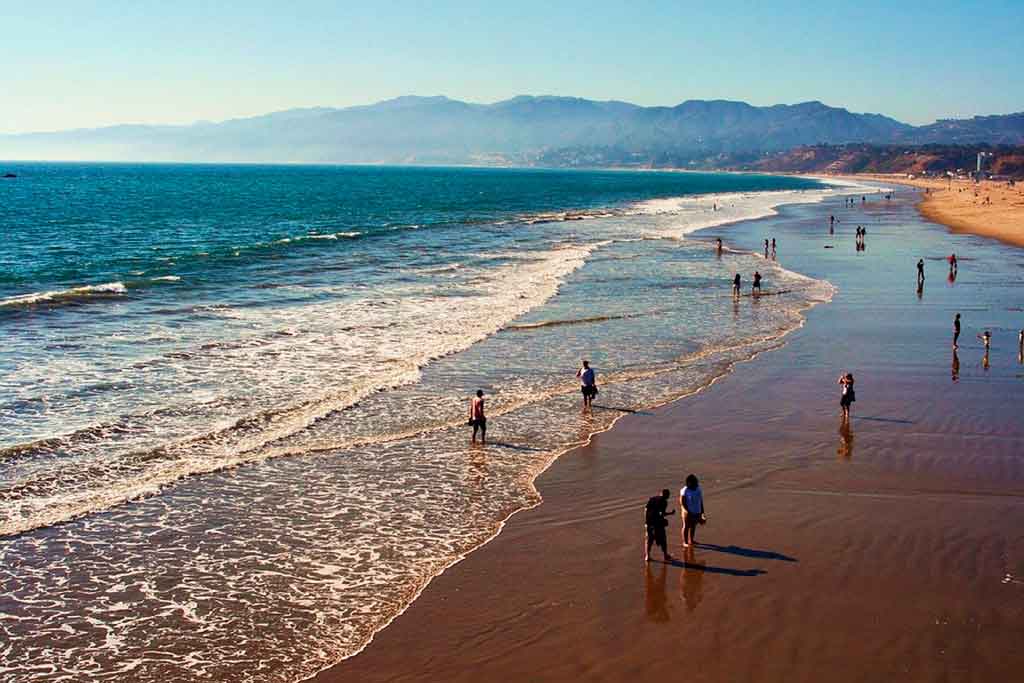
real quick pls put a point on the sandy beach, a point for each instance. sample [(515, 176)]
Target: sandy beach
[(892, 549), (989, 208)]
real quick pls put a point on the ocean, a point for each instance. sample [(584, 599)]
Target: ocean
[(233, 399)]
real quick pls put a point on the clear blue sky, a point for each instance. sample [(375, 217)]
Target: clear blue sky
[(86, 64)]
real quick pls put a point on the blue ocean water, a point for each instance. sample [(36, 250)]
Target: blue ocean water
[(209, 370)]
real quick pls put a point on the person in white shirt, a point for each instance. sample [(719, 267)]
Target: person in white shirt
[(691, 500), (588, 384)]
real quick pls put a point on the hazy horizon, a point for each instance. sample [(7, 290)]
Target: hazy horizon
[(152, 64), (199, 121)]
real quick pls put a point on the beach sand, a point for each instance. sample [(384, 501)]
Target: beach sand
[(989, 208), (894, 550)]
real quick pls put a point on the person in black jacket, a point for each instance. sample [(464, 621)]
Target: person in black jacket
[(654, 519)]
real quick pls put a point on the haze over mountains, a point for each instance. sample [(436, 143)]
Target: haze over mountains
[(525, 130)]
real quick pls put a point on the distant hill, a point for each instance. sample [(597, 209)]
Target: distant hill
[(932, 159), (996, 130), (525, 130)]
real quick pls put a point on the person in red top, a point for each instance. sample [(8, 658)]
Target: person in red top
[(477, 418)]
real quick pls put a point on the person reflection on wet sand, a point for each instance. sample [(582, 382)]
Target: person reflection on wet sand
[(656, 601), (920, 289), (845, 450), (984, 359), (690, 579), (956, 366)]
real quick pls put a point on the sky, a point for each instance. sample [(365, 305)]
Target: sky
[(87, 64)]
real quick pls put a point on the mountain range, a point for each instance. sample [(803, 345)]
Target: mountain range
[(524, 130)]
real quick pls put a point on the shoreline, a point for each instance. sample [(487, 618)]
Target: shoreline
[(454, 579), (754, 350), (960, 205)]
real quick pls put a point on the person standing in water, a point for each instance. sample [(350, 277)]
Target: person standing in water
[(847, 397), (766, 248), (477, 418), (588, 384), (986, 339), (755, 290), (773, 247), (718, 244), (654, 521), (736, 285), (920, 272), (956, 331), (691, 501)]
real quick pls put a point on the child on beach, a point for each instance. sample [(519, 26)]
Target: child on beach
[(477, 418), (848, 396), (691, 500), (654, 521)]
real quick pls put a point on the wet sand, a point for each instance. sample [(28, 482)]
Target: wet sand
[(892, 550), (991, 209)]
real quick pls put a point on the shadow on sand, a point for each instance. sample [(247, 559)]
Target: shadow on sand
[(883, 419), (746, 552), (727, 571), (513, 447), (621, 410)]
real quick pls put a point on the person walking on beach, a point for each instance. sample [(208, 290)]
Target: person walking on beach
[(588, 384), (847, 397), (920, 272), (691, 501), (766, 248), (755, 290), (736, 285), (656, 524), (831, 224), (477, 418), (956, 331)]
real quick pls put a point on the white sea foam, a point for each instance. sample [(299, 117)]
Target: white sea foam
[(70, 294), (376, 343)]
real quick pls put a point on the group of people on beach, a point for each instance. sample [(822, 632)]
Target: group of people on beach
[(656, 514), (691, 498), (862, 233), (755, 288), (478, 415)]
